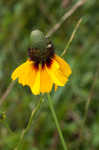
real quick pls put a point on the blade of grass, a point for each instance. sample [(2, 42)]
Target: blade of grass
[(29, 124), (72, 37)]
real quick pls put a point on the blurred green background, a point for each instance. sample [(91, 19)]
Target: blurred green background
[(17, 19)]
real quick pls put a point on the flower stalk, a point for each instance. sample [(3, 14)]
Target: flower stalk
[(56, 122), (34, 111)]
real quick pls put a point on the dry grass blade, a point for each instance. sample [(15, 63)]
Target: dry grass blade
[(6, 93), (66, 16)]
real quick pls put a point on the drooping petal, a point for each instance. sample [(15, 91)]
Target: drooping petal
[(45, 81), (35, 88), (56, 73), (25, 73), (64, 66), (55, 87), (30, 78)]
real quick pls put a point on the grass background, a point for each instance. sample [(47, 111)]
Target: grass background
[(17, 20)]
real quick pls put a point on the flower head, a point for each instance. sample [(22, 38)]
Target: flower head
[(43, 68)]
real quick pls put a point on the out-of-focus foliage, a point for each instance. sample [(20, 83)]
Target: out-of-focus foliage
[(17, 19)]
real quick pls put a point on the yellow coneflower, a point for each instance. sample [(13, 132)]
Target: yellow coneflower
[(43, 67)]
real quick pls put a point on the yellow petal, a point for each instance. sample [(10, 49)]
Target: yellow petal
[(35, 88), (56, 74), (25, 73), (64, 66), (45, 81)]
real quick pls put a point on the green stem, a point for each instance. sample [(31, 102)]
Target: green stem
[(56, 121), (29, 124), (33, 113)]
